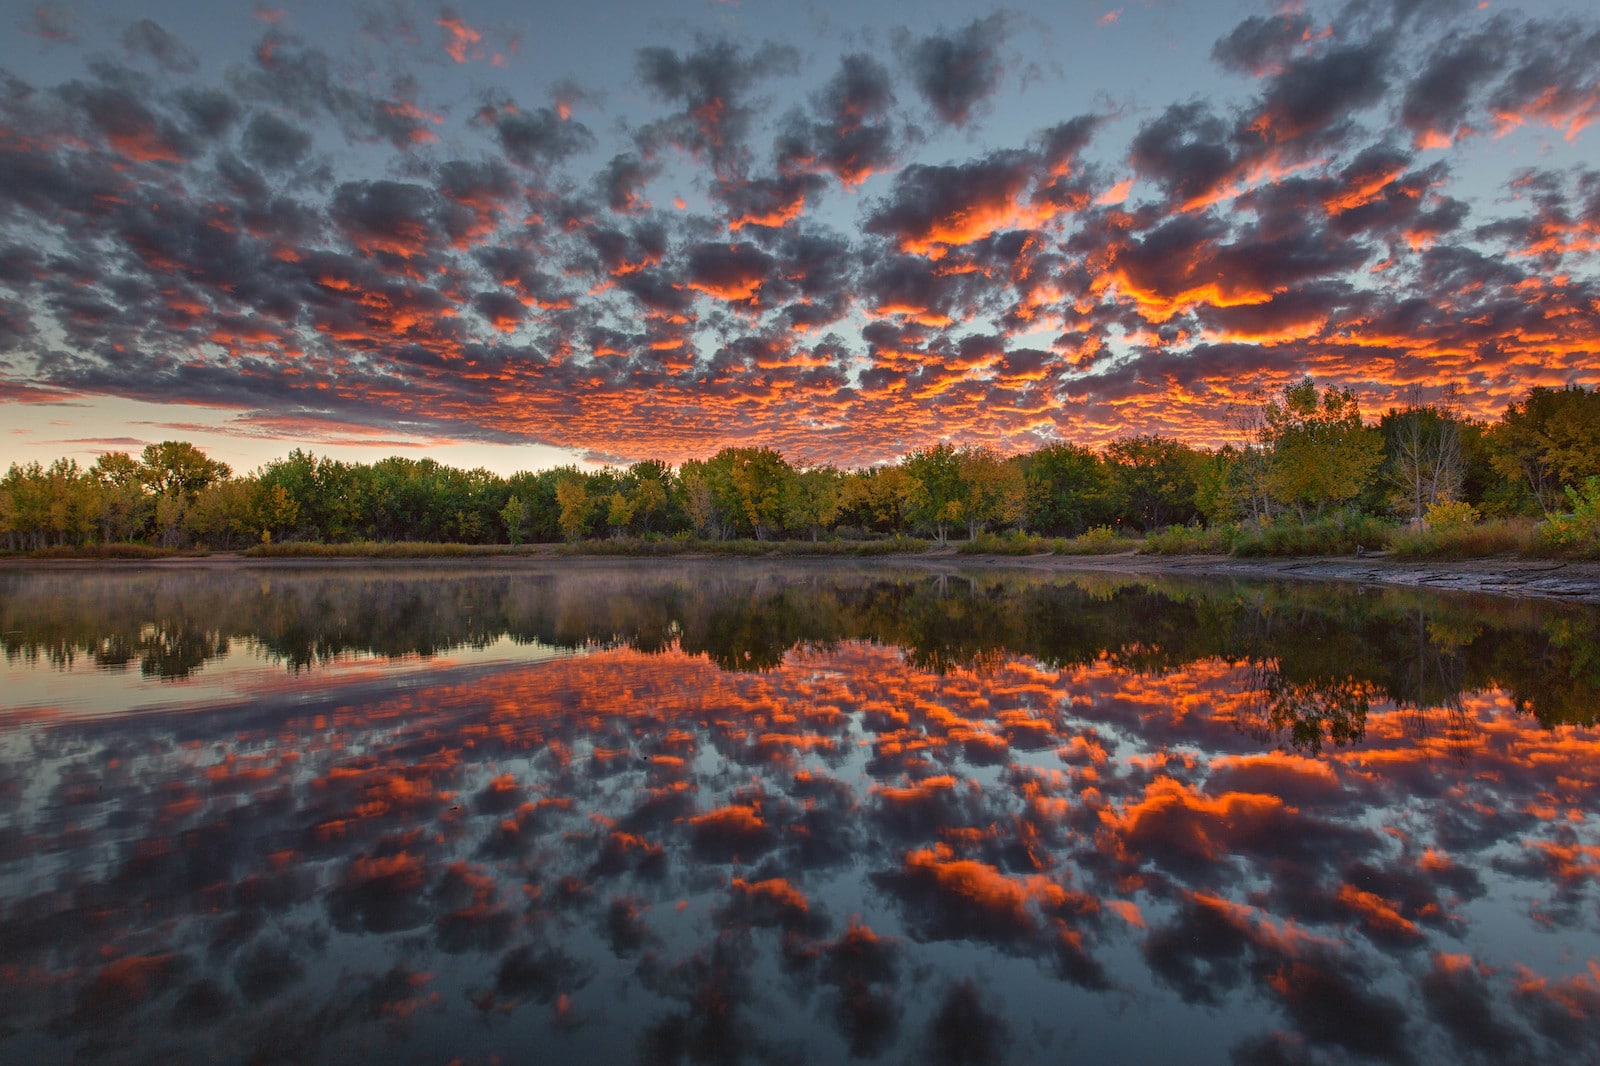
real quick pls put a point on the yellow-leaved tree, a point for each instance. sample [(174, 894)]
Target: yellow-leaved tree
[(1322, 454)]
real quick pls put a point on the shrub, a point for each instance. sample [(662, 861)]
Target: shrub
[(1327, 536), (1190, 540), (1101, 540), (1012, 542), (1451, 514), (1578, 533)]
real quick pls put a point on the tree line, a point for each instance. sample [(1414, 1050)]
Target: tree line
[(1301, 455)]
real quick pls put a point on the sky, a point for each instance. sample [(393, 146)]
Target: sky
[(518, 235)]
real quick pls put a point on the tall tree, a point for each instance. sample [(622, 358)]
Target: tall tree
[(943, 496), (1549, 441), (515, 516), (699, 504), (1154, 478), (1219, 492), (813, 502), (572, 494), (176, 466), (749, 486), (1424, 463), (1322, 454), (994, 489), (650, 492), (124, 506), (881, 497), (619, 514), (1067, 489), (221, 512)]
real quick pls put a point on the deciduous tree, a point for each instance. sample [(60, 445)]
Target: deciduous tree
[(1322, 454), (942, 497), (1549, 441), (1424, 464), (176, 466)]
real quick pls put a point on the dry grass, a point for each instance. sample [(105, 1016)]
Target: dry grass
[(1497, 536)]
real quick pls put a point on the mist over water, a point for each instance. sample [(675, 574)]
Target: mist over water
[(797, 813)]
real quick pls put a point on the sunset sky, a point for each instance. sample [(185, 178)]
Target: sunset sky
[(518, 235)]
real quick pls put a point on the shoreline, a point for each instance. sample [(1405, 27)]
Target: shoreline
[(1571, 581)]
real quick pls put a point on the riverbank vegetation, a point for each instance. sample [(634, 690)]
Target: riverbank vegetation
[(1306, 475)]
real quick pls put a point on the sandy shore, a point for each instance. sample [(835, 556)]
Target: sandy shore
[(1554, 579)]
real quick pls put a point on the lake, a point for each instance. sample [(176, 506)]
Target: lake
[(798, 813)]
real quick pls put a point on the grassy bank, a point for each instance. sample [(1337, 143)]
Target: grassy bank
[(1515, 537), (1101, 540), (105, 551), (625, 546), (1499, 537)]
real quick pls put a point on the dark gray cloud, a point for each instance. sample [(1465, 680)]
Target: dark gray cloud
[(622, 183), (1438, 100), (386, 218), (131, 129), (268, 141), (537, 137), (1313, 93), (849, 133), (1261, 45), (955, 71), (710, 84), (210, 112), (1552, 75), (296, 75), (1186, 150)]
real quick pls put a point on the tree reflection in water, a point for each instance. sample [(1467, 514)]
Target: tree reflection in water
[(815, 811)]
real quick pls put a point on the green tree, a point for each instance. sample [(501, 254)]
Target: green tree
[(274, 510), (1322, 454), (221, 512), (24, 487), (619, 514), (171, 509), (1067, 489), (124, 505), (699, 502), (1154, 479), (8, 516), (515, 517), (943, 497), (881, 497), (651, 492), (178, 467), (749, 486), (1219, 492), (1548, 442), (813, 502)]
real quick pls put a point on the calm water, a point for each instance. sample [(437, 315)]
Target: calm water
[(794, 815)]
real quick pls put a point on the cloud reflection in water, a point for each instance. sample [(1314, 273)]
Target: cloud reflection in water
[(819, 814)]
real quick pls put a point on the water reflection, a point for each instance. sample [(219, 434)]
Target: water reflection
[(816, 813)]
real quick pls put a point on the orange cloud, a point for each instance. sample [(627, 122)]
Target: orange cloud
[(460, 38)]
